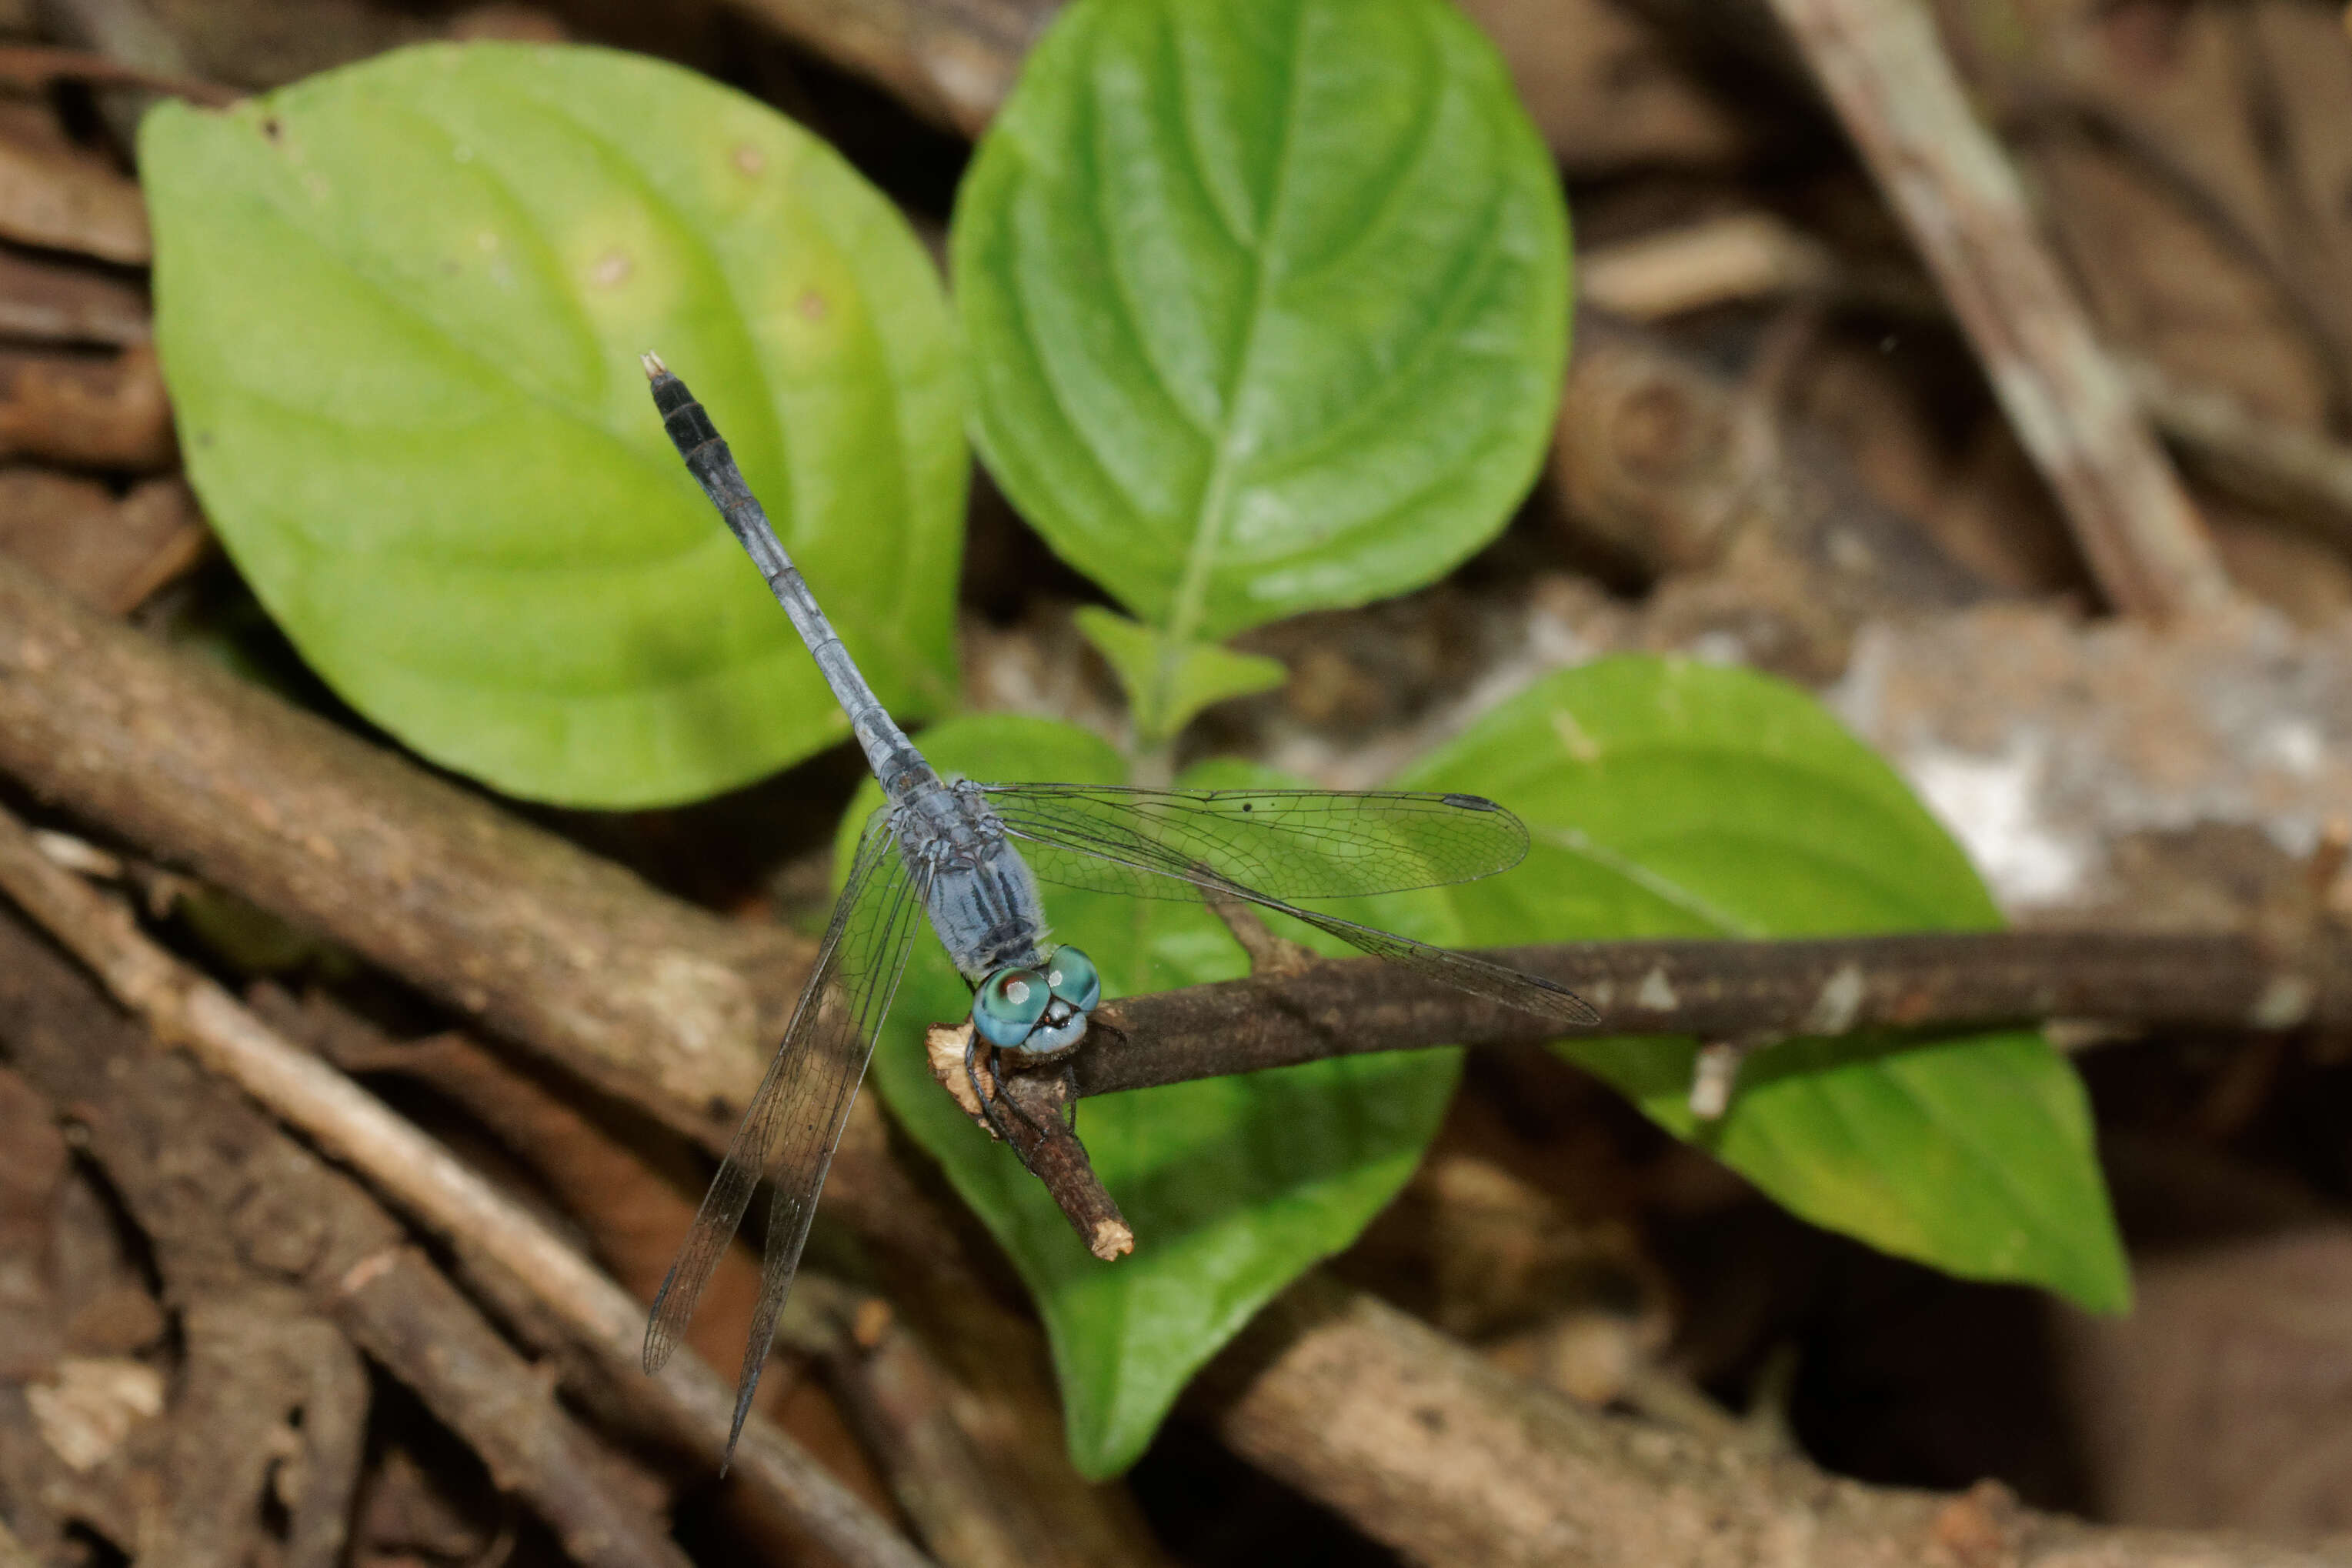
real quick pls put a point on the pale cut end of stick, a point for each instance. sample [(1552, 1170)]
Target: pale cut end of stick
[(652, 364), (1112, 1239), (943, 1048)]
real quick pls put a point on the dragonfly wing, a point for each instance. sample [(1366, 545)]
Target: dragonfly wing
[(1463, 971), (788, 1134), (1287, 843), (1099, 854)]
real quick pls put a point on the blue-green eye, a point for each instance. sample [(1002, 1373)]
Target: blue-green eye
[(1008, 1004), (1071, 975)]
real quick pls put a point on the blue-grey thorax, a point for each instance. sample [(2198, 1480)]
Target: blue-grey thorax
[(983, 900)]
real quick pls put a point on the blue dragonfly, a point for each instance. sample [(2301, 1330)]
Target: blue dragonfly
[(971, 857)]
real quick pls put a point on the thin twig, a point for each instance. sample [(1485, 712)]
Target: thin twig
[(38, 66), (1886, 72), (1028, 1108), (186, 1008), (1940, 982)]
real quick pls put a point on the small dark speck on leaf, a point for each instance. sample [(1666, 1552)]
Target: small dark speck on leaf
[(718, 1108), (1248, 806), (271, 128), (1432, 1419)]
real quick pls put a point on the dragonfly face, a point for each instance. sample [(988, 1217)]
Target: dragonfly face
[(1038, 1012)]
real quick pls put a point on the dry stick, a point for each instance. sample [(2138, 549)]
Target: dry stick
[(38, 66), (1737, 990), (2271, 464), (1885, 73), (514, 927), (1424, 1445), (1750, 256), (1027, 1110), (951, 61), (228, 1199), (184, 1007)]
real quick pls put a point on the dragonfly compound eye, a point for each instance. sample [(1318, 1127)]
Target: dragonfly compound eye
[(1008, 1004), (1071, 975)]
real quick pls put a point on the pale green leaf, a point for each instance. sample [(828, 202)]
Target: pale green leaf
[(400, 308)]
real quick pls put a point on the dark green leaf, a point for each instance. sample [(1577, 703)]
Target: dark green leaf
[(1233, 1185), (400, 308), (1668, 798), (1266, 301)]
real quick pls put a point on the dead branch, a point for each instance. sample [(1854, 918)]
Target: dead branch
[(951, 61), (45, 301), (255, 1357), (1756, 256), (566, 953), (1424, 1445), (38, 66), (109, 554), (1885, 72), (224, 1193), (75, 204), (1720, 990), (2297, 472), (1028, 1110), (184, 1007), (87, 413), (902, 1406)]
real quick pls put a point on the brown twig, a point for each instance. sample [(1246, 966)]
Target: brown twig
[(1942, 982), (511, 925), (38, 66), (1424, 1445), (2297, 472), (223, 1191), (186, 1008), (254, 1358), (1029, 1110), (902, 1405), (1886, 72), (87, 413), (951, 61), (71, 204), (1753, 256)]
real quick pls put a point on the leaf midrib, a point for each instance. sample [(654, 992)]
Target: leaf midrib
[(1216, 497)]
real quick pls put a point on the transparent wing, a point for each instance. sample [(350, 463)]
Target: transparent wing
[(1281, 842), (1174, 844), (788, 1132)]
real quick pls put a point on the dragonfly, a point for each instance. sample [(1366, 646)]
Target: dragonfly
[(971, 857)]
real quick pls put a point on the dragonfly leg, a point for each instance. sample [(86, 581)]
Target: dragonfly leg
[(992, 1106), (986, 1101)]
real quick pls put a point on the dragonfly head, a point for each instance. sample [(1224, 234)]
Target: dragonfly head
[(1039, 1012)]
